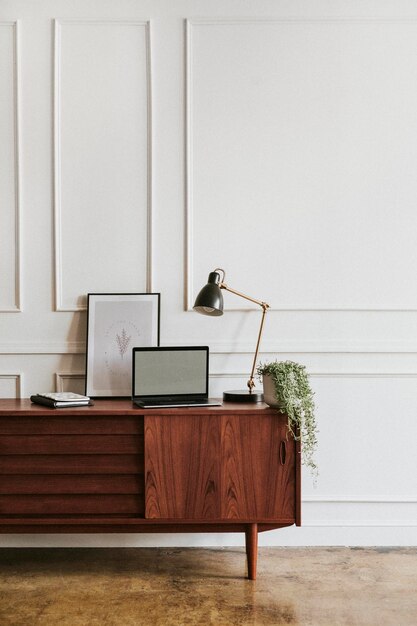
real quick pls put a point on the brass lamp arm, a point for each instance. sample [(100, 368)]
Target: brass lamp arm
[(265, 307), (242, 295), (250, 382), (223, 285)]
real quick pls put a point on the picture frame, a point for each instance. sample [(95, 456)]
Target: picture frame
[(117, 322)]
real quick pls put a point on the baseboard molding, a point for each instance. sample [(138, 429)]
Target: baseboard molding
[(362, 499)]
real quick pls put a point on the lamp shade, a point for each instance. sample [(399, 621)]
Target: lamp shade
[(210, 299)]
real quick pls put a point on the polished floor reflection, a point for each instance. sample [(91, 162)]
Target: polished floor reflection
[(164, 587)]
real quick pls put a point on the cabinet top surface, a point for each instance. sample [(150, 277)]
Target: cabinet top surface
[(124, 407)]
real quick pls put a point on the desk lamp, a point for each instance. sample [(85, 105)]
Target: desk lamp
[(210, 302)]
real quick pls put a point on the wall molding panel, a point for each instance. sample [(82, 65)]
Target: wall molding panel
[(362, 524), (277, 348), (310, 347), (192, 27), (15, 389), (324, 374), (75, 380), (11, 188), (144, 234), (374, 499), (64, 347)]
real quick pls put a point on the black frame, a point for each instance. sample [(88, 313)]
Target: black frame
[(171, 349), (158, 296)]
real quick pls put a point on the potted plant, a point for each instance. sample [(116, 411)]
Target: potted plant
[(287, 388)]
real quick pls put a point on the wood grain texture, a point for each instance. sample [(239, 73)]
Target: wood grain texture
[(71, 464), (71, 504), (99, 469), (70, 444), (254, 481), (129, 520), (219, 466), (101, 524), (72, 484), (181, 467), (21, 408), (56, 423), (297, 469), (251, 543)]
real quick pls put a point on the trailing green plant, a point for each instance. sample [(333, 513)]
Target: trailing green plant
[(293, 392)]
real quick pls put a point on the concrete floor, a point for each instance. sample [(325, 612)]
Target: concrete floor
[(164, 587)]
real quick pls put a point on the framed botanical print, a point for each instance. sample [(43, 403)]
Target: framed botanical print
[(116, 323)]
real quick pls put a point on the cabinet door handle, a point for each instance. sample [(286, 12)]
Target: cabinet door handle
[(283, 452)]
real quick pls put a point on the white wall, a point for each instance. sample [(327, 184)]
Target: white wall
[(144, 143)]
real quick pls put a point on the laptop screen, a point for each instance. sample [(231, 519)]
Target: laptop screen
[(170, 371)]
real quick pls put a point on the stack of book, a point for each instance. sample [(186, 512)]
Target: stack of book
[(61, 400)]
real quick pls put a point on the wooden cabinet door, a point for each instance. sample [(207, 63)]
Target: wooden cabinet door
[(182, 470), (219, 467), (257, 468)]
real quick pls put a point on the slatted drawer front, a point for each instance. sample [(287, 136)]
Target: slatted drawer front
[(70, 444), (71, 466), (71, 484), (58, 424), (71, 505)]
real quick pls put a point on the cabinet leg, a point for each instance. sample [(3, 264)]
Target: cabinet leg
[(251, 536)]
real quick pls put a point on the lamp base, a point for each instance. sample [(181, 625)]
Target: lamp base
[(243, 396)]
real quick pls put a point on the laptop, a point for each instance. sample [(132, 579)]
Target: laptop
[(171, 377)]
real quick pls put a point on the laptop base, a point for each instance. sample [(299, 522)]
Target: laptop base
[(166, 404)]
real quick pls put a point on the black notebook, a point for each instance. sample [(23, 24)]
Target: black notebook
[(61, 400)]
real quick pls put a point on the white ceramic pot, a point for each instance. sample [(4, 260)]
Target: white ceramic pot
[(269, 392)]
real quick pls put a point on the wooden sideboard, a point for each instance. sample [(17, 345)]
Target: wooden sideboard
[(115, 468)]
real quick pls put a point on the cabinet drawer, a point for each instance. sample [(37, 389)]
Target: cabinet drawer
[(72, 464), (71, 484), (62, 424), (70, 444), (71, 505)]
